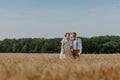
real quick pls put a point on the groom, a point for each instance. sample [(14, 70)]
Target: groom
[(76, 45)]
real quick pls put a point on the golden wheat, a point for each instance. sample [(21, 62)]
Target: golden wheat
[(49, 67)]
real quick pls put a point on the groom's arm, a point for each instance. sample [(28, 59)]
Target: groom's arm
[(80, 45)]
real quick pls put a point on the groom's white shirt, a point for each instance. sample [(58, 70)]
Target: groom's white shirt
[(77, 44)]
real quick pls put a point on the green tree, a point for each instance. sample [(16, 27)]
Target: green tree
[(25, 49)]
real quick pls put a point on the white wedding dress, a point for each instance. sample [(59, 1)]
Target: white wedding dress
[(65, 49)]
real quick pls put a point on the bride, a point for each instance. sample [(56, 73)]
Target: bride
[(66, 44)]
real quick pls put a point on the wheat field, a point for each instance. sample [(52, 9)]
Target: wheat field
[(48, 67)]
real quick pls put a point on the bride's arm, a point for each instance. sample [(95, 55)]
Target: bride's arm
[(62, 46)]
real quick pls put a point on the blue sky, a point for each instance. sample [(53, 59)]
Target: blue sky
[(52, 18)]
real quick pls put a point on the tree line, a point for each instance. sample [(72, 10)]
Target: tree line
[(99, 44)]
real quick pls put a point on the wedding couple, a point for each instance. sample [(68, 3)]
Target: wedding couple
[(71, 46)]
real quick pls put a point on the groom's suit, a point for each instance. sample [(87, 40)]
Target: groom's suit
[(77, 47)]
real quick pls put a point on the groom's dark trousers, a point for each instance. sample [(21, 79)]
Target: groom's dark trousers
[(75, 53)]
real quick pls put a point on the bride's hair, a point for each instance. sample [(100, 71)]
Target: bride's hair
[(67, 33)]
